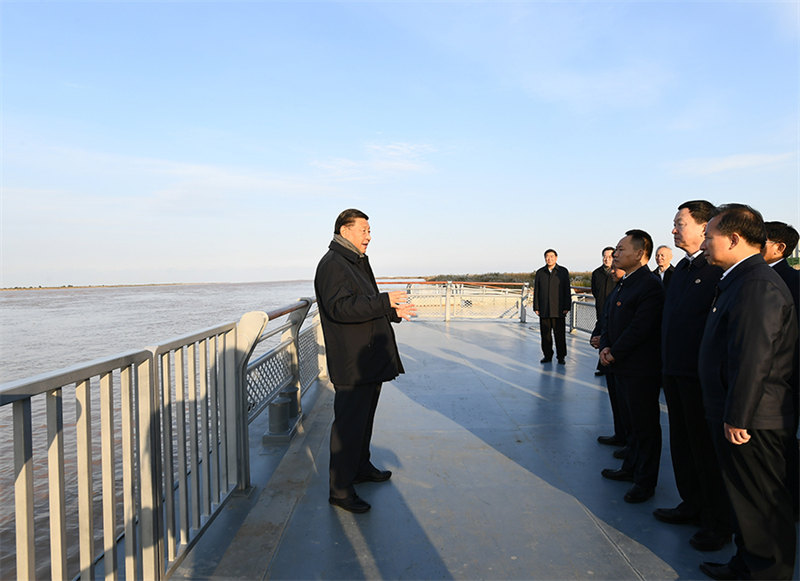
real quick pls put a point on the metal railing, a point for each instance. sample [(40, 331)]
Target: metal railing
[(582, 314), (477, 300), (141, 450), (466, 300)]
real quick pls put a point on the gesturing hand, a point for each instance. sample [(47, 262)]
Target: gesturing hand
[(399, 301)]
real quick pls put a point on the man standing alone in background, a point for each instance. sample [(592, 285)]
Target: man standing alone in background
[(551, 302)]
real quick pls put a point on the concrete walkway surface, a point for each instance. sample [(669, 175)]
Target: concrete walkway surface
[(496, 475)]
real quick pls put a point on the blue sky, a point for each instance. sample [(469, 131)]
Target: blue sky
[(179, 141)]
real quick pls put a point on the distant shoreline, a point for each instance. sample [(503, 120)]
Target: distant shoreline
[(135, 285)]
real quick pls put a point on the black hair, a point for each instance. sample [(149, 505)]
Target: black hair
[(346, 218), (701, 210), (743, 220), (641, 241), (782, 232)]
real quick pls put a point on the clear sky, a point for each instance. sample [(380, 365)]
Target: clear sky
[(177, 141)]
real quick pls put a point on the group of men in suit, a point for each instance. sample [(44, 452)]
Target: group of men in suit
[(719, 333)]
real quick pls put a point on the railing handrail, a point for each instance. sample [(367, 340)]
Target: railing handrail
[(17, 389), (192, 388)]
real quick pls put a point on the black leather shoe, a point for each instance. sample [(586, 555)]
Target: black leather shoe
[(719, 570), (620, 474), (677, 516), (638, 494), (546, 360), (622, 453), (373, 476), (709, 540), (599, 372), (611, 440), (351, 503), (562, 362)]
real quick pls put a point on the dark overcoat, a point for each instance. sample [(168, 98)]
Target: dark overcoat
[(602, 285), (551, 292), (747, 349), (360, 344)]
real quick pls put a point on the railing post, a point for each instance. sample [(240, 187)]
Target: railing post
[(23, 488), (150, 470), (296, 319), (322, 360), (447, 299), (523, 312), (572, 313), (248, 330)]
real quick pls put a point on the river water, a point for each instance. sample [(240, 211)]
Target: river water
[(47, 329)]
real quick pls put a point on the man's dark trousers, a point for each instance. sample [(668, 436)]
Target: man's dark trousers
[(749, 469), (694, 460), (640, 396), (619, 410), (557, 325), (354, 409)]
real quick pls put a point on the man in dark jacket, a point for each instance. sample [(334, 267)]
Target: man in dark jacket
[(781, 241), (361, 353), (694, 461), (619, 412), (630, 346), (602, 284), (745, 363), (551, 302)]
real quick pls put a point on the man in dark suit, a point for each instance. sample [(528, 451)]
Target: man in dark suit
[(361, 352), (551, 302), (622, 424), (664, 268), (602, 284), (745, 364), (781, 241), (694, 461), (630, 346)]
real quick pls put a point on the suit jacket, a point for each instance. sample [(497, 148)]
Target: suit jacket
[(632, 324), (686, 304), (667, 275), (747, 349), (792, 279), (551, 292), (602, 285), (359, 341)]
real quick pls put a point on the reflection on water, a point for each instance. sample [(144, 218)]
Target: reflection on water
[(45, 330)]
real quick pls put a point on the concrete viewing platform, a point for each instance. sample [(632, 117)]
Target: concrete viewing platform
[(496, 475)]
